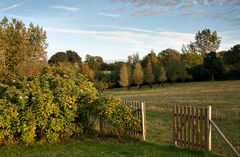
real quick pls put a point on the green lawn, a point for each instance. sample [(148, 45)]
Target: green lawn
[(223, 96), (100, 148)]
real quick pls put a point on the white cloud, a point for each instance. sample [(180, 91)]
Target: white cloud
[(65, 8), (9, 7), (136, 40), (109, 15)]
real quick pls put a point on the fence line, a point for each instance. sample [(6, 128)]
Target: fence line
[(140, 108)]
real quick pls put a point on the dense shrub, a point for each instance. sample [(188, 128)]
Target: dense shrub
[(53, 107)]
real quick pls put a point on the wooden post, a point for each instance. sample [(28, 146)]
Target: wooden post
[(143, 121), (174, 125), (209, 132)]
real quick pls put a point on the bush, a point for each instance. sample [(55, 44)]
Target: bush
[(44, 109), (53, 107)]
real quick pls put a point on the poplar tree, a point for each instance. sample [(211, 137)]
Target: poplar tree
[(163, 75), (124, 76), (138, 75), (149, 74)]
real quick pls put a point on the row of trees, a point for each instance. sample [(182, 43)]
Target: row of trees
[(23, 54)]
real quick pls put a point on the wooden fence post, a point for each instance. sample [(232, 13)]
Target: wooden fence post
[(143, 110), (209, 133)]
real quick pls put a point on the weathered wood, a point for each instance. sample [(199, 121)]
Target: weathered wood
[(174, 125), (209, 131), (224, 138), (193, 128), (201, 129), (184, 126), (143, 121), (189, 127)]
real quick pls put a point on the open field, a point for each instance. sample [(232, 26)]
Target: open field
[(100, 148), (223, 96)]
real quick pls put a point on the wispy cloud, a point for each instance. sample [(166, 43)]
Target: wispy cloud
[(143, 40), (110, 15), (65, 8), (134, 29), (9, 7)]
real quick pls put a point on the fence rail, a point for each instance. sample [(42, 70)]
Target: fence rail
[(140, 109)]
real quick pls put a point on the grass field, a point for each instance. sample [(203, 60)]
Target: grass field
[(100, 148), (223, 96)]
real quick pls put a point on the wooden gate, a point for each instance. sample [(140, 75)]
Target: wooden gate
[(139, 107), (191, 127)]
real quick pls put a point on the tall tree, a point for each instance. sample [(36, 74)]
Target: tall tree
[(124, 76), (19, 43), (163, 75), (205, 42), (172, 70), (149, 76), (213, 64), (138, 75)]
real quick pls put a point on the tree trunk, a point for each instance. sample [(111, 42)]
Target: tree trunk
[(212, 77)]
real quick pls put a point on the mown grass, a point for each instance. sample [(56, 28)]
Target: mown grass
[(223, 96), (100, 148)]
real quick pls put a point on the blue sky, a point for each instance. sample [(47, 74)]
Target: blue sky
[(115, 29)]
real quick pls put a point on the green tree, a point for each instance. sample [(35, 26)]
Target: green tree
[(191, 59), (94, 62), (172, 70), (231, 59), (163, 75), (19, 44), (149, 76), (205, 42), (59, 57), (213, 64), (73, 57), (124, 76), (68, 56), (138, 75)]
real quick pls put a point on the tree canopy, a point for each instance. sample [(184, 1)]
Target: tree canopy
[(205, 42)]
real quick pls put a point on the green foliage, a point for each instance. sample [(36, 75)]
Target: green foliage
[(231, 59), (191, 59), (94, 62), (205, 41), (52, 107), (68, 56), (101, 86), (121, 117), (214, 65), (20, 44), (44, 108), (163, 75)]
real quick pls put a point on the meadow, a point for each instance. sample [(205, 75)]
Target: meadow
[(223, 96)]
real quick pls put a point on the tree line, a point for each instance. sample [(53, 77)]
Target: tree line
[(23, 54)]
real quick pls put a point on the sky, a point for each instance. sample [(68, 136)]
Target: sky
[(114, 29)]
